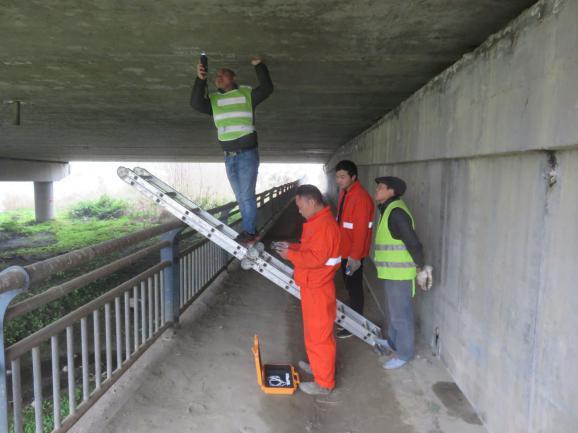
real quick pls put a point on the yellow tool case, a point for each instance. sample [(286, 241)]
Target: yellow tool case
[(272, 378)]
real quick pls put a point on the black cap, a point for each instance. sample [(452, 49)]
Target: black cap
[(395, 183)]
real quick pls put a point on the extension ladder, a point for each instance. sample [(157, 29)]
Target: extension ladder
[(252, 257)]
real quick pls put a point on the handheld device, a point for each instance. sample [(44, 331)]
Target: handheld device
[(205, 61)]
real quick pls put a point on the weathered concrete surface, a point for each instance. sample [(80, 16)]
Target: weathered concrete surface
[(203, 379), (17, 170), (516, 93), (497, 214), (111, 81)]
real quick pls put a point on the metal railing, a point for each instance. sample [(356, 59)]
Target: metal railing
[(54, 375)]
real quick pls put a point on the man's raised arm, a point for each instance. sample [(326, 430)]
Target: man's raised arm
[(265, 88), (199, 99)]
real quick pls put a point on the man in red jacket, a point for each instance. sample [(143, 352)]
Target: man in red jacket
[(355, 218), (316, 259)]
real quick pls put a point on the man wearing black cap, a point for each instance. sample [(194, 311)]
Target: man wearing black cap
[(399, 259)]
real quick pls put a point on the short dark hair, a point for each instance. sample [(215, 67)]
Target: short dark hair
[(229, 71), (348, 166), (310, 192)]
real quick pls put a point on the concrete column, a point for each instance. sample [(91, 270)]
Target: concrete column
[(43, 201)]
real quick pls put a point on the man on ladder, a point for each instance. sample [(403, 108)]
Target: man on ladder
[(233, 111)]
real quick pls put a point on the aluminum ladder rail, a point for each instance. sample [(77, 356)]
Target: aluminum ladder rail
[(254, 257)]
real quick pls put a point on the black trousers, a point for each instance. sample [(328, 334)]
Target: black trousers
[(354, 286)]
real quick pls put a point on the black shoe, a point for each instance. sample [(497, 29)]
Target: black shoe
[(343, 333)]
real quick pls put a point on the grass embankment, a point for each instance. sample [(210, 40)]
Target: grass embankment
[(67, 233)]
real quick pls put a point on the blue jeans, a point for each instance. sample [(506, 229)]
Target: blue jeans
[(400, 329), (242, 170)]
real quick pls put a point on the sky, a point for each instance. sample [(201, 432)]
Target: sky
[(89, 180)]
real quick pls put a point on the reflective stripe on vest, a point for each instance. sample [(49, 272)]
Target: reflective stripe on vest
[(241, 128), (223, 102), (391, 257), (395, 264), (390, 248), (333, 261), (347, 225), (233, 113)]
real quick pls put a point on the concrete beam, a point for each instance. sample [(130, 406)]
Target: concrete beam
[(337, 65), (23, 170)]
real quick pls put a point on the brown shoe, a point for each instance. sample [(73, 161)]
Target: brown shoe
[(247, 239)]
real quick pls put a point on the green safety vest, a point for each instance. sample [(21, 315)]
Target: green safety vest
[(233, 113), (392, 259)]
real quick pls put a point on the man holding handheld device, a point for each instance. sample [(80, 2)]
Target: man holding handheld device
[(233, 110)]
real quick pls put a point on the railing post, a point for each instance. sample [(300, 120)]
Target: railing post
[(5, 299), (171, 280)]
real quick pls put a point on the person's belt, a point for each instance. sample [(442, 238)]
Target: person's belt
[(236, 152)]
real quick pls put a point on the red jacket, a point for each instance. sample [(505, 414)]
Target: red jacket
[(316, 258), (356, 222)]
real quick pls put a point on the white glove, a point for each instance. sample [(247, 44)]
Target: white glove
[(352, 266), (425, 278), (278, 246)]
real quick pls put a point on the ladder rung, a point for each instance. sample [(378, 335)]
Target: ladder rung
[(216, 228)]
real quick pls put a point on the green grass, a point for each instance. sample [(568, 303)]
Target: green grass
[(103, 208), (73, 234), (22, 221), (28, 419), (69, 233)]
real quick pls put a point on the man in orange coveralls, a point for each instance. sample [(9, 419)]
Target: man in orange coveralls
[(316, 259)]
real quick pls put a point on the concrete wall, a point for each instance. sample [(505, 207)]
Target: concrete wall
[(490, 153)]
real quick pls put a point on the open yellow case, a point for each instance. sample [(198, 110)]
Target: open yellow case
[(274, 378)]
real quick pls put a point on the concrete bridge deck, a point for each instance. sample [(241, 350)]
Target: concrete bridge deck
[(201, 377)]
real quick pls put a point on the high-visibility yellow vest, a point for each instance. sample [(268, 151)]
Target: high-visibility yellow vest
[(392, 259), (233, 113)]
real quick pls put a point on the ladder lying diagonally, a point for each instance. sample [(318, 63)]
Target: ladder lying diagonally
[(254, 257)]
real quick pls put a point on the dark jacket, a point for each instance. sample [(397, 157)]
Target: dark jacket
[(200, 102), (400, 226)]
